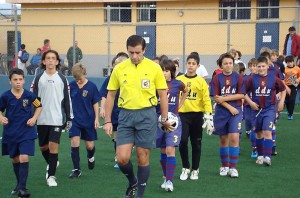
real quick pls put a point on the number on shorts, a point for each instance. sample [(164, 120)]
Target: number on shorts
[(175, 138)]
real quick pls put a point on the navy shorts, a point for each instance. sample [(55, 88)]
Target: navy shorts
[(265, 119), (25, 147), (137, 127), (168, 139), (225, 122), (84, 133), (47, 133)]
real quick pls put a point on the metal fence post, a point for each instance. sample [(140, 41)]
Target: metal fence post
[(228, 27), (16, 35), (74, 50), (108, 39), (183, 45)]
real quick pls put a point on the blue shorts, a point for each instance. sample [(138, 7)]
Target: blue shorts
[(225, 122), (137, 127), (265, 119), (249, 114), (84, 133), (25, 147), (168, 139)]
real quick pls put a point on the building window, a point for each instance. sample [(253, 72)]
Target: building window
[(117, 14), (264, 10), (235, 12), (147, 15)]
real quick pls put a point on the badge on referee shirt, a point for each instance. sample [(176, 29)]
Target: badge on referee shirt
[(145, 84), (25, 102)]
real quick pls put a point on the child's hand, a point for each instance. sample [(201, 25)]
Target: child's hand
[(234, 111), (280, 106), (96, 124), (219, 99), (102, 113), (254, 106), (4, 120), (31, 122)]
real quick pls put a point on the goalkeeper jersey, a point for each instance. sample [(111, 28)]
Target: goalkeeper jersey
[(198, 99), (55, 97)]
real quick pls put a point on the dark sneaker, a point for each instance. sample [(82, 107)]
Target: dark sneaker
[(274, 152), (75, 174), (23, 193), (248, 134), (14, 191), (91, 163), (131, 190)]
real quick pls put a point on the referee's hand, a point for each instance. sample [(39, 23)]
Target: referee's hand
[(107, 127)]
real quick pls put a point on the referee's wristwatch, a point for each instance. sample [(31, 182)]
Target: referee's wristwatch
[(164, 119)]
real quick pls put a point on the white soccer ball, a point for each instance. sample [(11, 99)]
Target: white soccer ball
[(172, 118)]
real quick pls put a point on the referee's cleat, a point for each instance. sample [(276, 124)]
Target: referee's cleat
[(274, 152), (14, 191), (23, 193), (131, 190), (91, 163), (75, 174)]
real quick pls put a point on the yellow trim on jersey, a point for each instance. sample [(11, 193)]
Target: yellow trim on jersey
[(137, 84), (198, 99)]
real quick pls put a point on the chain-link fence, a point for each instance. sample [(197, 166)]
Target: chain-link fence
[(102, 32)]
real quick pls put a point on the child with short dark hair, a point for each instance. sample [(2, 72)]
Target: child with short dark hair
[(19, 132)]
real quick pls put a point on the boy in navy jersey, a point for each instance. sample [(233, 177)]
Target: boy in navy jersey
[(228, 91), (263, 87), (19, 132), (85, 98), (169, 141)]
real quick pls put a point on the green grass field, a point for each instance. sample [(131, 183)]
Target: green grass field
[(282, 179)]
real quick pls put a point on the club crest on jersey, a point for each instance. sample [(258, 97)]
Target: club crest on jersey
[(188, 84), (227, 82), (84, 93), (125, 82), (25, 102), (263, 83), (145, 84)]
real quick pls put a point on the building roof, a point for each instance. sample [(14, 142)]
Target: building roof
[(75, 1)]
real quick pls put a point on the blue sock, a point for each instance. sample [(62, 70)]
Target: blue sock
[(23, 175), (224, 155), (233, 156), (143, 175), (163, 161), (260, 146), (268, 144), (16, 167), (90, 153), (127, 170), (75, 157), (274, 136), (171, 167), (253, 139)]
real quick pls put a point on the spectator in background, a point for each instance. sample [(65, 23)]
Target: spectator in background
[(34, 62), (156, 59), (71, 59), (201, 70), (46, 46), (292, 43), (177, 72), (275, 60), (21, 65)]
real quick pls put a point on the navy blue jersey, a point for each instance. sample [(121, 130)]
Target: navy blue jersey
[(223, 85), (103, 93), (174, 89), (18, 111), (264, 88), (276, 71), (83, 100), (246, 77)]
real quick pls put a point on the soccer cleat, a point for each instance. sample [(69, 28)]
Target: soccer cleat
[(14, 191), (51, 181), (290, 117), (91, 163), (267, 161), (254, 154), (274, 152), (169, 186), (224, 171), (75, 174), (164, 184), (194, 175), (23, 193), (184, 174), (130, 192), (233, 173), (260, 160), (47, 168)]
